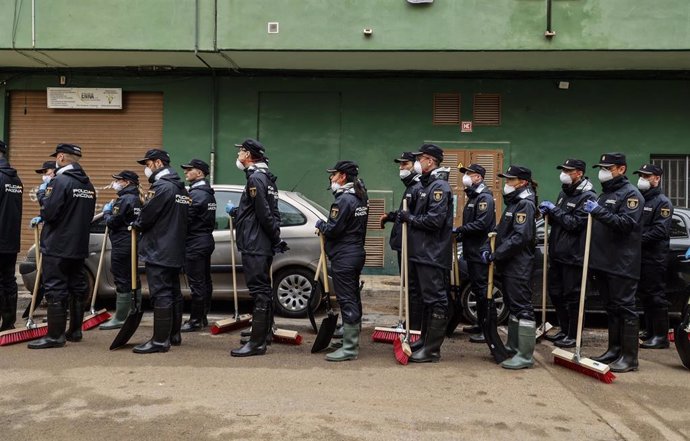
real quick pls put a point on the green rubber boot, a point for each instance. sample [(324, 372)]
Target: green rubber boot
[(527, 339), (122, 304), (350, 349), (512, 343)]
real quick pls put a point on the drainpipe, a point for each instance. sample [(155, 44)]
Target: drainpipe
[(33, 24), (214, 88), (550, 33)]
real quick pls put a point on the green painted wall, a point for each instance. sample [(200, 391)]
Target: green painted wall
[(338, 24)]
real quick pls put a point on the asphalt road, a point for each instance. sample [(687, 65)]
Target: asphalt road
[(197, 391)]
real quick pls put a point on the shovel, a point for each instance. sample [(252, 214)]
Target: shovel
[(490, 325), (681, 336), (328, 324), (545, 326), (310, 312), (129, 327)]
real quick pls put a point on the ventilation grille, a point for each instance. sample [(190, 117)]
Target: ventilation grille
[(446, 109), (376, 208), (374, 246), (487, 109)]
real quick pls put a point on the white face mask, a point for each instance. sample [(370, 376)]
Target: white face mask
[(148, 172), (507, 189), (605, 175), (643, 184), (418, 167), (46, 179), (565, 179), (467, 181), (117, 186), (335, 187), (405, 173), (239, 165)]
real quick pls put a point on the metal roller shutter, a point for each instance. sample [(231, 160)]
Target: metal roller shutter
[(111, 140)]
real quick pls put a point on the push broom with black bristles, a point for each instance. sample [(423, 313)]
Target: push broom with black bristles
[(31, 331), (401, 345), (575, 361), (238, 321), (95, 318)]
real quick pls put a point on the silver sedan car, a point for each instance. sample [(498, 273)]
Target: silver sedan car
[(293, 271)]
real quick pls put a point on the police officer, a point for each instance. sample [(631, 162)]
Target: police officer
[(344, 233), (258, 239), (410, 179), (514, 256), (66, 211), (615, 257), (478, 219), (568, 221), (162, 223), (656, 235), (200, 243), (430, 247), (11, 190), (47, 171), (118, 217)]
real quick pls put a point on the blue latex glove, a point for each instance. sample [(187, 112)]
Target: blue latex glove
[(43, 186), (487, 257), (591, 206), (320, 225), (108, 208), (35, 221), (404, 216), (687, 254), (546, 206), (231, 209)]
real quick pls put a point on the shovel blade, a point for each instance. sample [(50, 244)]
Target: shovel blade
[(129, 327), (681, 338), (326, 331), (490, 330)]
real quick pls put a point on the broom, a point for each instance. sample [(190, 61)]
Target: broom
[(545, 326), (285, 336), (94, 318), (238, 321), (401, 345), (575, 361), (31, 331)]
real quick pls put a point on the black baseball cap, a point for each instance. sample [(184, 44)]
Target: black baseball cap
[(405, 157), (572, 164), (517, 171), (254, 147), (67, 148), (347, 167), (650, 169), (46, 165), (154, 154), (473, 168), (127, 175), (197, 163), (3, 147), (609, 159), (431, 150)]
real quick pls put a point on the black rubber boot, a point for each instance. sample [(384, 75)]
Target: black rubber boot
[(659, 337), (647, 332), (418, 344), (570, 339), (162, 324), (76, 318), (196, 317), (630, 345), (57, 322), (436, 332), (261, 324), (614, 349), (175, 329), (9, 312), (563, 321), (207, 309), (481, 318)]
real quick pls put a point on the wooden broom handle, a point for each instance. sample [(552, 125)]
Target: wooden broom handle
[(98, 271), (133, 259), (405, 275), (490, 284), (234, 272), (324, 264), (37, 282), (545, 272), (583, 286)]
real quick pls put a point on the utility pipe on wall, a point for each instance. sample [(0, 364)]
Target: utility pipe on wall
[(214, 91)]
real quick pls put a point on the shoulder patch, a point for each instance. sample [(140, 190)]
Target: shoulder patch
[(482, 206), (520, 218), (334, 212), (665, 212), (252, 192), (633, 203), (438, 195), (49, 190)]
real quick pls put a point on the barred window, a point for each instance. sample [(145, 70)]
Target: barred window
[(675, 181)]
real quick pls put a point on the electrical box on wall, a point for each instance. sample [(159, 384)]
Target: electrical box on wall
[(273, 27)]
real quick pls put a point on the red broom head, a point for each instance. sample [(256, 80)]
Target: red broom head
[(400, 355), (288, 340), (220, 328), (384, 336), (22, 335), (96, 320), (607, 378)]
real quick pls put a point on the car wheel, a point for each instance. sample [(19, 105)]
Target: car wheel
[(469, 303), (293, 289)]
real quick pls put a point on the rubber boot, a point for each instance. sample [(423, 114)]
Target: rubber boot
[(339, 331), (418, 344), (512, 342), (57, 322), (261, 322), (207, 308), (175, 335), (123, 303), (350, 349), (481, 318), (527, 339), (570, 339), (76, 318), (630, 345), (162, 324), (614, 349), (196, 317), (9, 311), (648, 330), (436, 332), (659, 337)]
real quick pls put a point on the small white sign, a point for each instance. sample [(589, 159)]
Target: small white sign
[(466, 127), (84, 98)]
